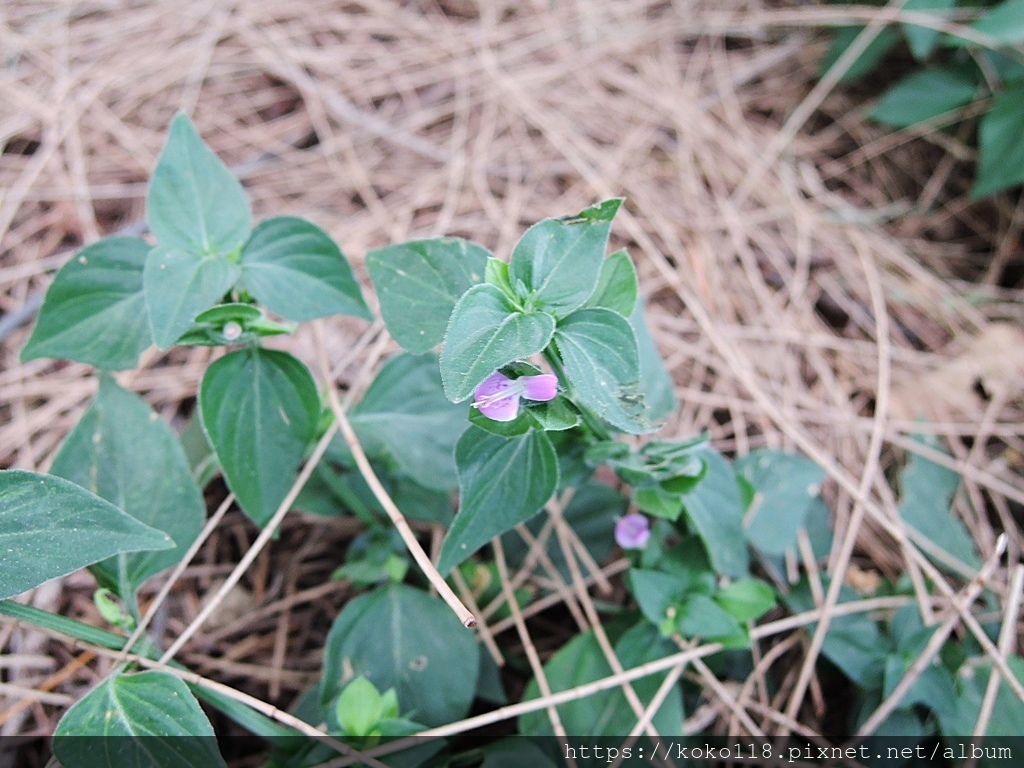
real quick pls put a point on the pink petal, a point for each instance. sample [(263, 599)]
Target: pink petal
[(503, 409), (632, 531), (492, 385), (542, 387)]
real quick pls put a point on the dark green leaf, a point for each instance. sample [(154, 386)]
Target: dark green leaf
[(259, 409), (149, 718), (50, 527), (926, 493), (1000, 150), (485, 333), (872, 56), (715, 510), (746, 599), (1004, 23), (923, 95), (1007, 714), (606, 713), (616, 285), (700, 616), (405, 414), (502, 482), (520, 425), (514, 752), (195, 203), (95, 310), (787, 486), (418, 284), (179, 285), (656, 385), (655, 593), (922, 39), (559, 260), (655, 500), (556, 415), (296, 269), (599, 352), (121, 451), (399, 637)]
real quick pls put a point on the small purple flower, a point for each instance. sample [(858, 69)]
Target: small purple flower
[(632, 531), (497, 396)]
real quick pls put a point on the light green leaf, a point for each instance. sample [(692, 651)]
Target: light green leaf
[(715, 510), (195, 204), (923, 95), (922, 40), (50, 527), (146, 719), (179, 285), (259, 409), (418, 284), (926, 495), (405, 414), (359, 707), (599, 351), (655, 593), (787, 485), (559, 260), (485, 333), (746, 599), (700, 616), (606, 713), (1000, 149), (402, 638), (1004, 23), (502, 482), (95, 310), (617, 285), (121, 451), (296, 269)]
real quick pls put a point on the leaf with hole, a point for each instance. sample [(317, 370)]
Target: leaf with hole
[(50, 527), (121, 451), (95, 310), (259, 408), (418, 284), (194, 203)]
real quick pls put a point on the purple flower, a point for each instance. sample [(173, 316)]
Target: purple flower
[(497, 396), (632, 531)]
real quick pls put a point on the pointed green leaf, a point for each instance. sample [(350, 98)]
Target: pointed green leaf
[(418, 284), (656, 384), (922, 40), (296, 269), (121, 451), (503, 481), (871, 57), (788, 485), (405, 414), (400, 637), (486, 332), (746, 599), (1000, 149), (715, 510), (1004, 23), (95, 310), (923, 95), (359, 707), (559, 260), (50, 527), (194, 202), (259, 409), (617, 285), (146, 719), (179, 285), (599, 351)]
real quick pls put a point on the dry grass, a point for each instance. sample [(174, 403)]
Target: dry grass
[(791, 312)]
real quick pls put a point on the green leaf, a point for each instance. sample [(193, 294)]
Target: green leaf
[(418, 284), (502, 482), (656, 385), (788, 485), (746, 599), (617, 285), (872, 56), (700, 616), (1000, 150), (655, 593), (520, 425), (559, 260), (922, 40), (923, 95), (179, 285), (1004, 23), (359, 707), (485, 333), (50, 527), (195, 204), (715, 510), (149, 718), (95, 310), (400, 637), (259, 409), (926, 494), (121, 451), (599, 352), (405, 414), (555, 415), (605, 713), (1007, 714), (514, 752), (655, 500), (296, 269)]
